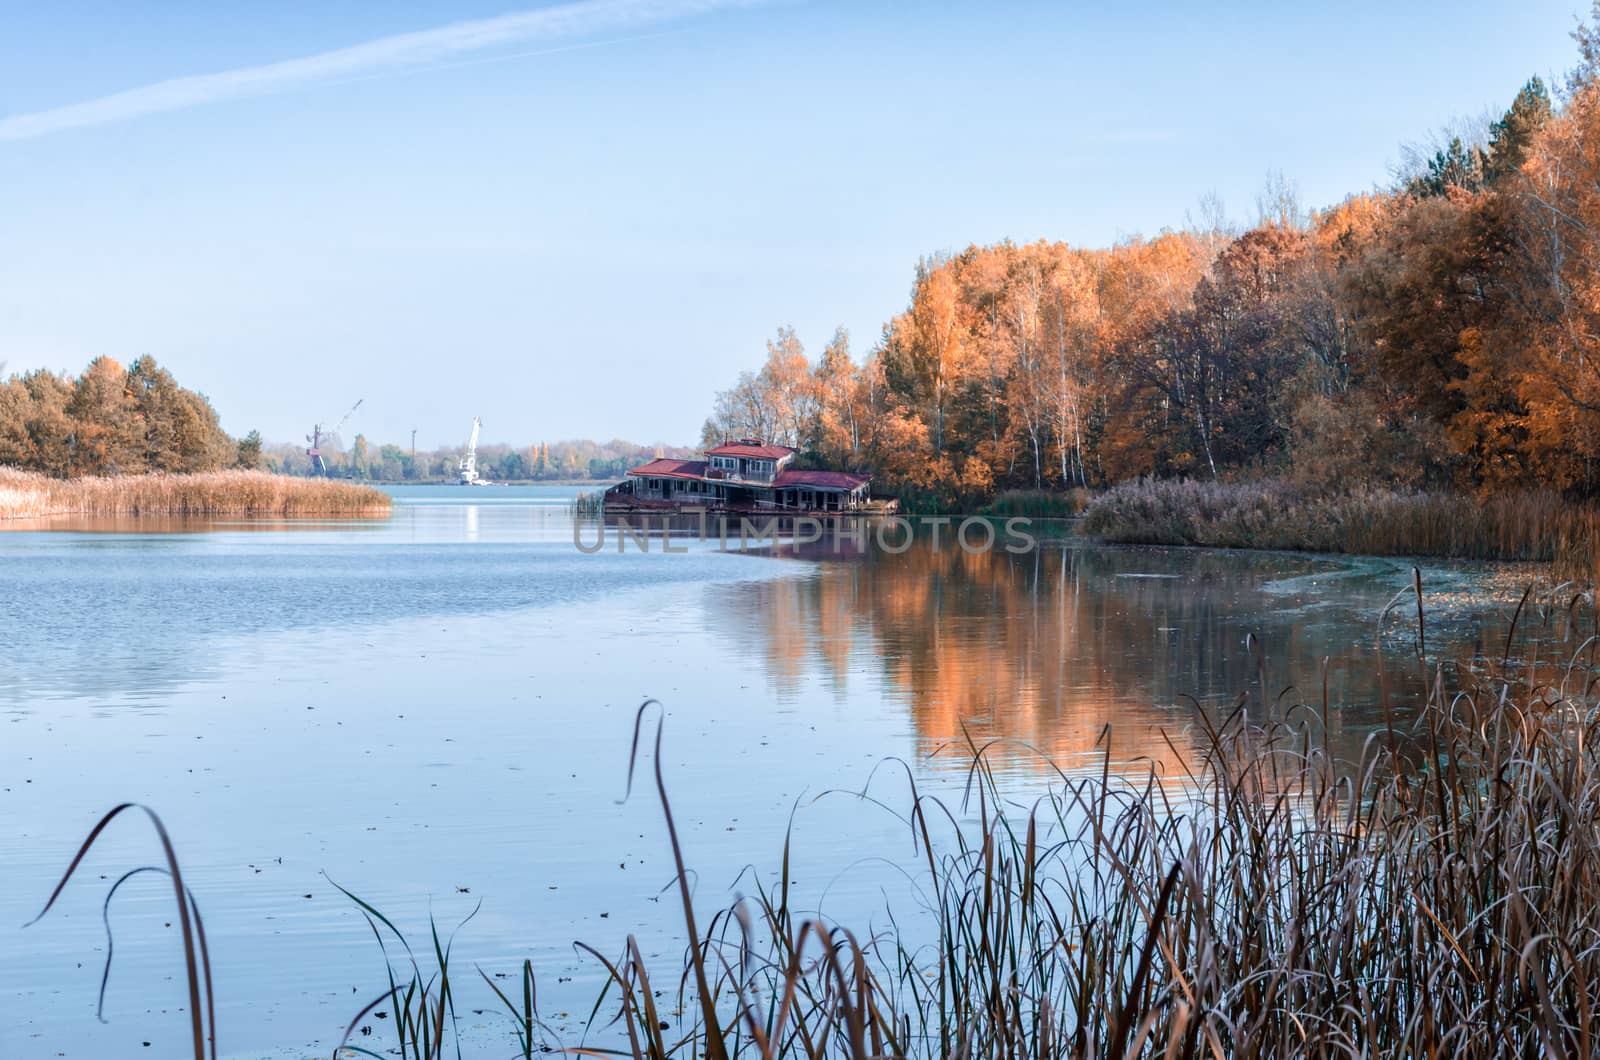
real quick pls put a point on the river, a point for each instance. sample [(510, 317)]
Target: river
[(435, 711)]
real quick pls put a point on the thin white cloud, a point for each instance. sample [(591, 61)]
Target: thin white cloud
[(402, 52)]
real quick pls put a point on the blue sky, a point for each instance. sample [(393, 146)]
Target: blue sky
[(582, 223)]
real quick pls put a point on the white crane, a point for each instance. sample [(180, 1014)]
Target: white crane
[(469, 462), (319, 434)]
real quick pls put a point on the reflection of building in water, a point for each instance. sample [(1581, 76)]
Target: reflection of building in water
[(1049, 649)]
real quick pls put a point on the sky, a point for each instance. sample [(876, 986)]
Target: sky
[(581, 220)]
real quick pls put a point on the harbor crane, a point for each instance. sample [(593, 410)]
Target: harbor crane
[(469, 462), (320, 434)]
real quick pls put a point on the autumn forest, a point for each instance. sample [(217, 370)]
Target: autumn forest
[(1442, 334)]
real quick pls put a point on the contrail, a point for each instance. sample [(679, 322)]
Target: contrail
[(401, 52)]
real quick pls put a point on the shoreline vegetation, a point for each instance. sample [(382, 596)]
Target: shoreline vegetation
[(24, 495), (1435, 336), (1525, 526), (1535, 526), (1440, 894)]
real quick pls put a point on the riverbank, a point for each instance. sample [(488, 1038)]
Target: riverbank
[(1538, 527), (24, 495)]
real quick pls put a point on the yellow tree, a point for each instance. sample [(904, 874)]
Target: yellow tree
[(1070, 323), (788, 390), (1021, 336), (1144, 286), (838, 393), (926, 355), (106, 435), (35, 431), (1559, 191), (986, 284)]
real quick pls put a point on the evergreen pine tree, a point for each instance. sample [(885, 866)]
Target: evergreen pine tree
[(1510, 136)]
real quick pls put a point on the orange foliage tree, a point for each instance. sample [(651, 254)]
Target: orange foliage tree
[(1443, 333)]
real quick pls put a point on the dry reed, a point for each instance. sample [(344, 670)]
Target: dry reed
[(1444, 899), (1526, 526), (24, 495)]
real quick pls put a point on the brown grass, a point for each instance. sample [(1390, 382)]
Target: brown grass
[(24, 495), (1538, 527)]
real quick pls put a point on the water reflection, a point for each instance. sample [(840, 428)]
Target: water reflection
[(1049, 650), (182, 524)]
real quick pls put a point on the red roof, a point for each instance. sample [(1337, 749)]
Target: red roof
[(698, 469), (830, 480), (752, 447), (664, 468)]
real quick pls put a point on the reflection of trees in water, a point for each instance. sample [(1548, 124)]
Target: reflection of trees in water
[(1051, 647)]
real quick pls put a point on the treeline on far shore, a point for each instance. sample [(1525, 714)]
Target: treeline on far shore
[(579, 460)]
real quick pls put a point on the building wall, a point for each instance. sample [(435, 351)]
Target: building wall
[(676, 489), (743, 467)]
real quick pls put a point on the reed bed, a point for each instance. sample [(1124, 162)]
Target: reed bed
[(24, 495), (1282, 904), (1527, 526), (1438, 895)]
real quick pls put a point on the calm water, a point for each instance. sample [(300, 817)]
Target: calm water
[(435, 710)]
